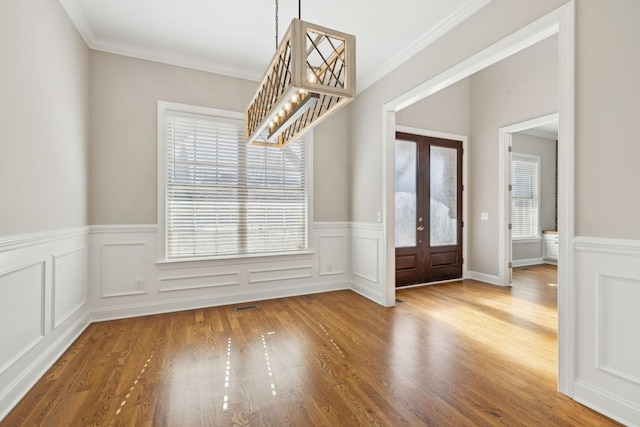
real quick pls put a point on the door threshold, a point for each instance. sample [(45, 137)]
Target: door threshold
[(430, 283)]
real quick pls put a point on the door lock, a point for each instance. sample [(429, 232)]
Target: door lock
[(420, 228)]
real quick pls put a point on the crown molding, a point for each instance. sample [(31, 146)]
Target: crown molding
[(170, 58), (443, 27), (78, 17)]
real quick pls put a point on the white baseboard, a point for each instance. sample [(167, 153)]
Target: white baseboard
[(527, 262), (482, 277), (182, 304), (623, 411)]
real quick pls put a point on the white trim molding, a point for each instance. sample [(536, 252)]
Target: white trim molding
[(43, 305), (607, 340), (142, 285)]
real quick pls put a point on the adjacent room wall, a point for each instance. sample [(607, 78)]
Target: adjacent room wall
[(44, 104), (446, 111), (521, 87), (545, 149)]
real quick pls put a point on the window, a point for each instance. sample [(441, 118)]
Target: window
[(220, 197), (525, 183)]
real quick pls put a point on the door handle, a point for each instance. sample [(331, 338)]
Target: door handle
[(420, 228)]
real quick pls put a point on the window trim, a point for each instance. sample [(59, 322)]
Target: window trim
[(161, 184), (532, 159)]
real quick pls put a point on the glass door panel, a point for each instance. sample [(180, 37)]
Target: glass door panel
[(444, 196), (406, 162)]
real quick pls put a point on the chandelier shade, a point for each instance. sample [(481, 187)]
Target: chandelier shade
[(311, 75)]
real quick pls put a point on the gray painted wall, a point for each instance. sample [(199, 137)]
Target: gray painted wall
[(44, 99), (124, 95), (545, 149)]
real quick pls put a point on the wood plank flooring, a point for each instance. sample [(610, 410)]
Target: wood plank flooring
[(456, 354)]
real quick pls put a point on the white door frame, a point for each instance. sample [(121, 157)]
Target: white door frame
[(504, 199), (561, 22)]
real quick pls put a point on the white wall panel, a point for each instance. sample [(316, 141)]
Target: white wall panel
[(69, 284), (618, 326), (123, 266), (365, 257), (121, 255), (333, 254), (280, 274), (43, 289), (21, 311), (607, 327), (197, 281), (366, 253)]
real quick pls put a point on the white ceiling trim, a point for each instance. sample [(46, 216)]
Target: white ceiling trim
[(79, 18), (446, 25), (171, 58)]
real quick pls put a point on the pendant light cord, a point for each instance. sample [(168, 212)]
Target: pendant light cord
[(277, 25), (299, 17)]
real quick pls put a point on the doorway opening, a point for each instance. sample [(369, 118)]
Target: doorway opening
[(561, 22), (533, 249)]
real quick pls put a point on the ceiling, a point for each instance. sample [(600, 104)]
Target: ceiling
[(237, 37)]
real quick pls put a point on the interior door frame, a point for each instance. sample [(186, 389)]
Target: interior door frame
[(504, 197), (561, 21), (465, 193)]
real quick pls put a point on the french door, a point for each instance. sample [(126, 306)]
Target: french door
[(428, 209)]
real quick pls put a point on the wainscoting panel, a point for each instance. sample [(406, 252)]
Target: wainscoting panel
[(608, 327), (69, 284), (124, 256), (197, 281), (333, 254), (21, 311), (279, 274), (123, 266), (43, 290), (366, 253)]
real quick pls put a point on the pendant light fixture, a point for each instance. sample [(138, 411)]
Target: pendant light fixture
[(311, 75)]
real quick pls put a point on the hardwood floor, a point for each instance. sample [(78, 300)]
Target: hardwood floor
[(456, 354)]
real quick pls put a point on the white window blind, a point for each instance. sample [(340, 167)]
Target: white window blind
[(524, 196), (225, 198)]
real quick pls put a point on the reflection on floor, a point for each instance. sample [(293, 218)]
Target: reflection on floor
[(455, 354)]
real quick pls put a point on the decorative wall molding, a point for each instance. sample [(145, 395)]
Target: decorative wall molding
[(69, 284), (179, 285), (123, 267), (22, 310), (366, 252), (13, 242), (198, 281), (606, 245), (611, 354), (43, 294), (123, 228), (280, 274), (608, 296)]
